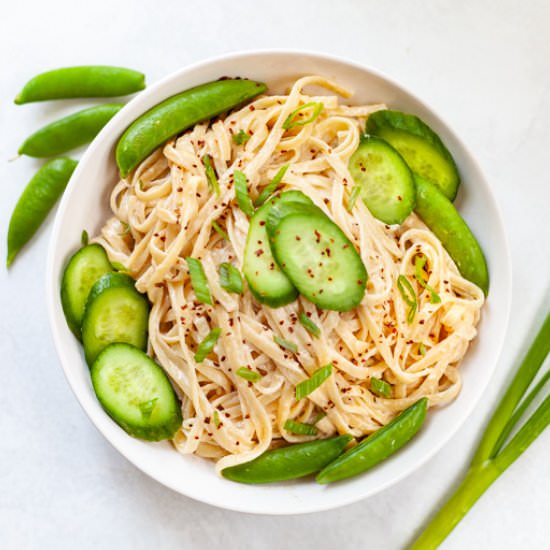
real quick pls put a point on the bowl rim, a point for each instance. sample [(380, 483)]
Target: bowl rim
[(52, 291)]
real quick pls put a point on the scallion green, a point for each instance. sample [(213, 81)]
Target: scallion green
[(309, 325), (248, 374), (356, 190), (293, 119), (211, 174), (319, 417), (300, 428), (286, 344), (199, 282), (241, 137), (230, 278), (241, 193), (216, 418), (207, 345), (271, 187), (313, 382), (419, 263), (408, 295), (380, 387), (84, 239), (217, 228)]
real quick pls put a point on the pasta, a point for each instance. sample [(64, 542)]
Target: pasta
[(164, 212)]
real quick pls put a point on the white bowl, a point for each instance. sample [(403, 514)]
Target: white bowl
[(85, 206)]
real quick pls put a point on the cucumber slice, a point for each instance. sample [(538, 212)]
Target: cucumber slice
[(84, 268), (115, 312), (265, 279), (439, 214), (419, 145), (289, 200), (387, 184), (319, 259), (136, 393)]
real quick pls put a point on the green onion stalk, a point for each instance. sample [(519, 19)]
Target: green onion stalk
[(493, 455)]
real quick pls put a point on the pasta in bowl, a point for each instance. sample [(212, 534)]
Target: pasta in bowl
[(290, 356)]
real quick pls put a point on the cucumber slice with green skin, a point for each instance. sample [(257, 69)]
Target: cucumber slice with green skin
[(265, 279), (115, 313), (280, 207), (136, 393), (85, 267), (319, 259), (387, 184), (419, 145), (439, 214)]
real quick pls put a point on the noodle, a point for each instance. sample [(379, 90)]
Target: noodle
[(164, 212)]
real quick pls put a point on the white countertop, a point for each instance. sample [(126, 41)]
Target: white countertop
[(484, 65)]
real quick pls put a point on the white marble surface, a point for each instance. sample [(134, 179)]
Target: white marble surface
[(483, 64)]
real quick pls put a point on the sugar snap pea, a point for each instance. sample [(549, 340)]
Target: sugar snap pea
[(378, 446), (84, 81), (36, 201), (289, 462), (177, 113), (440, 215), (69, 132)]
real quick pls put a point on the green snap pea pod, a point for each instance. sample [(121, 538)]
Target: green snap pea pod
[(440, 215), (69, 132), (289, 462), (176, 114), (378, 446), (84, 81), (36, 201)]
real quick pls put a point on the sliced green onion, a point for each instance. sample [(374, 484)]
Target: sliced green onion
[(241, 193), (117, 266), (230, 278), (292, 120), (216, 418), (84, 239), (408, 295), (380, 387), (211, 174), (241, 137), (126, 229), (311, 384), (290, 346), (248, 374), (271, 187), (299, 428), (216, 227), (309, 325), (353, 197), (419, 264), (422, 349), (319, 417), (207, 345), (199, 282)]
